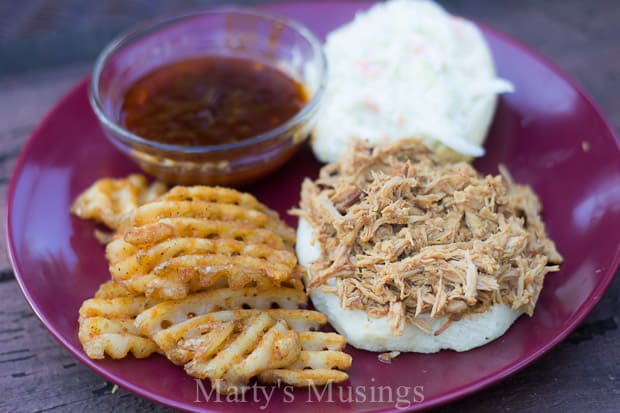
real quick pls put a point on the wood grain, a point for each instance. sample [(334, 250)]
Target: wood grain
[(38, 374), (581, 374)]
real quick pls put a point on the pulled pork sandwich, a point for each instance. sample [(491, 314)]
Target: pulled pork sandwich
[(408, 252)]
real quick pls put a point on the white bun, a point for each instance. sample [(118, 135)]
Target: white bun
[(374, 334)]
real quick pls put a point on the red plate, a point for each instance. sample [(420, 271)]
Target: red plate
[(548, 132)]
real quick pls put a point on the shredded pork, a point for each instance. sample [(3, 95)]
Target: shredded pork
[(404, 233)]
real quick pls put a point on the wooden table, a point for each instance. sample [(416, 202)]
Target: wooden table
[(41, 47)]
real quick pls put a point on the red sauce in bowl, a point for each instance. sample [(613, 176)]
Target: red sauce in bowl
[(211, 100)]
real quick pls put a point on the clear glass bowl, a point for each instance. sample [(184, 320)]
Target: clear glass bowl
[(237, 32)]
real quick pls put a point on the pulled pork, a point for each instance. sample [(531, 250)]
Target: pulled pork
[(404, 233)]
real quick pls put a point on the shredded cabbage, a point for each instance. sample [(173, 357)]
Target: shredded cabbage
[(407, 68)]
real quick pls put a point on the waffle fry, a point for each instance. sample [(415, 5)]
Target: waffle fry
[(318, 340), (314, 367), (296, 279), (129, 243), (180, 276), (320, 362), (168, 338), (278, 348), (182, 282), (207, 276), (215, 194), (116, 338), (112, 289), (118, 307), (303, 377), (167, 228), (109, 200), (168, 313), (231, 353), (217, 264), (106, 324), (150, 258), (155, 211), (215, 346), (190, 332), (168, 253), (177, 266)]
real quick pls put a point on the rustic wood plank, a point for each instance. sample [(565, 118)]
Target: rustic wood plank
[(579, 37), (38, 374), (37, 30)]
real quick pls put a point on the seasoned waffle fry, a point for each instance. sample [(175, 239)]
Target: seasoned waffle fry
[(103, 236), (326, 359), (303, 378), (109, 200), (118, 250), (209, 347), (320, 362), (151, 258), (118, 307), (214, 194), (247, 348), (321, 355), (180, 276), (193, 227), (164, 252), (106, 324), (167, 313), (205, 265), (116, 338), (318, 340), (136, 238), (163, 288), (155, 211), (180, 281), (300, 320), (279, 347), (183, 281), (207, 276), (112, 289), (152, 192), (296, 279)]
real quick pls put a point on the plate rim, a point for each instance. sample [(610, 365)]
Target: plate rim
[(593, 298)]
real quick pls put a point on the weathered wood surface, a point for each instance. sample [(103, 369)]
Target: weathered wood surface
[(581, 374)]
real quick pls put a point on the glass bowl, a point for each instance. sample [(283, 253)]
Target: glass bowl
[(233, 32)]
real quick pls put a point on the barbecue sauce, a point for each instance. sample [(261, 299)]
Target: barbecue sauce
[(210, 100)]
